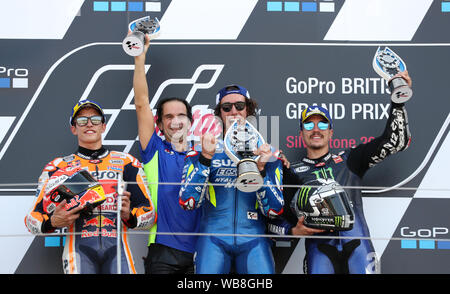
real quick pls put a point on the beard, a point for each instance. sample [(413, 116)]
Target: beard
[(315, 145)]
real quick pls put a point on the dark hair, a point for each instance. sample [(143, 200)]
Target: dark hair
[(250, 104), (159, 108)]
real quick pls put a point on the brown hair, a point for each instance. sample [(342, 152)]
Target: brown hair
[(159, 108), (250, 104)]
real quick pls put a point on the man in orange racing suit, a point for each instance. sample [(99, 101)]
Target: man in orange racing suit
[(91, 244)]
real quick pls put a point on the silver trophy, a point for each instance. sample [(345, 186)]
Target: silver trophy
[(387, 64), (240, 141), (133, 44)]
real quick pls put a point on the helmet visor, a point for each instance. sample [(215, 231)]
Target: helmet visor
[(77, 184), (335, 203)]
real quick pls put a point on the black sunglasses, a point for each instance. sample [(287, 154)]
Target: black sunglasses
[(227, 106)]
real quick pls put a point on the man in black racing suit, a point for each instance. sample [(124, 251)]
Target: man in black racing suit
[(341, 255)]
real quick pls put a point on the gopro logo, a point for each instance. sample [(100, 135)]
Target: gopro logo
[(15, 77)]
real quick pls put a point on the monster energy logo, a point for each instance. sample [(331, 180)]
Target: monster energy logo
[(338, 221), (303, 197), (323, 220), (324, 173)]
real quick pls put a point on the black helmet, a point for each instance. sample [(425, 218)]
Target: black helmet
[(325, 205)]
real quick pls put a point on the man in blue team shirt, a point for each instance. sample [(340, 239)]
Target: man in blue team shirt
[(163, 162)]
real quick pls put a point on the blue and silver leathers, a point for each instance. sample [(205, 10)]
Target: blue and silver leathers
[(229, 213)]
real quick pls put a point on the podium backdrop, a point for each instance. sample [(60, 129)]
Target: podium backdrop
[(288, 54)]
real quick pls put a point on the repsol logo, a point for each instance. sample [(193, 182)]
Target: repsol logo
[(105, 174)]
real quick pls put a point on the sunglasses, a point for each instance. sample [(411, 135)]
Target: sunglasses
[(227, 106), (82, 121), (321, 125)]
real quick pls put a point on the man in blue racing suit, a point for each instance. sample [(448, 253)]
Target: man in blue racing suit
[(342, 255), (231, 218)]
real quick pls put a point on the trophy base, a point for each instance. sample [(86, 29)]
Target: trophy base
[(134, 43), (400, 91), (249, 179)]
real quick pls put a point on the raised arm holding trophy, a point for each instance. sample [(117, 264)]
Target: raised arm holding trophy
[(348, 249)]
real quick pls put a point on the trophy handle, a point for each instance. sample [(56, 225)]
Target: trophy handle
[(134, 43), (400, 91), (249, 178)]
